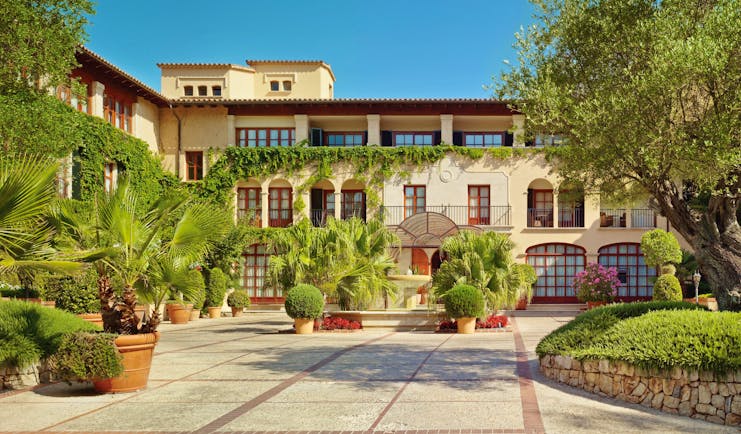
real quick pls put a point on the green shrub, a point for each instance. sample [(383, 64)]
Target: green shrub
[(304, 301), (83, 356), (667, 288), (30, 332), (78, 294), (196, 288), (216, 288), (592, 324), (464, 301), (707, 341), (660, 247), (239, 299)]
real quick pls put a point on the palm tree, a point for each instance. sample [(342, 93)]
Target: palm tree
[(484, 261), (27, 190), (147, 252)]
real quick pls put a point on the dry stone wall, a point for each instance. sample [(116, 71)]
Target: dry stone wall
[(19, 378), (699, 395)]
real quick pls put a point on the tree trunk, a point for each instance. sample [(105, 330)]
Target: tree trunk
[(720, 263), (108, 300), (127, 307)]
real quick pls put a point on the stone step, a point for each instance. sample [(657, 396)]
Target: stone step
[(544, 307)]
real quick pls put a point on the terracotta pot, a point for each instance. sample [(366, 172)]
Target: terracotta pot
[(593, 304), (195, 314), (521, 304), (137, 352), (214, 312), (237, 311), (95, 318), (466, 325), (178, 313), (49, 303), (304, 326)]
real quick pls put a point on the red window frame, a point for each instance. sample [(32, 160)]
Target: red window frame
[(280, 207), (479, 203), (250, 199), (351, 206), (555, 273), (193, 165), (254, 270), (344, 135), (539, 210), (117, 113), (637, 275), (483, 135), (416, 135), (412, 201), (109, 169), (287, 135)]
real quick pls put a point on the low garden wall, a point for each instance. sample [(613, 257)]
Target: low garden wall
[(16, 378), (700, 395)]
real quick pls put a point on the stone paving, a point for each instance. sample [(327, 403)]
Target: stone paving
[(239, 375)]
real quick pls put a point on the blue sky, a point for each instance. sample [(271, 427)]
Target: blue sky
[(377, 49)]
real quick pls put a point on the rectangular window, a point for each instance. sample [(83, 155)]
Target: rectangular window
[(353, 204), (194, 165), (216, 90), (256, 261), (478, 205), (202, 90), (412, 139), (249, 204), (540, 208), (109, 177), (548, 140), (274, 86), (280, 209), (117, 113), (287, 85), (483, 140), (265, 137), (344, 138), (415, 199), (188, 90)]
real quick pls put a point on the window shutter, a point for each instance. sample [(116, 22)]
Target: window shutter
[(436, 137), (387, 138), (458, 138), (508, 139), (316, 137), (365, 138)]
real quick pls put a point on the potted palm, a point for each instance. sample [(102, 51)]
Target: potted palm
[(215, 292), (465, 303), (304, 303), (238, 300)]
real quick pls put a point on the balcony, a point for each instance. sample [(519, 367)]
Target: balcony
[(571, 217), (280, 218), (319, 217), (612, 218), (642, 218), (540, 217), (461, 215), (348, 213)]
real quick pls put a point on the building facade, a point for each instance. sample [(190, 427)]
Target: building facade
[(203, 109)]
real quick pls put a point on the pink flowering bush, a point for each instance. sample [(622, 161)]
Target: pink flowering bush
[(596, 283)]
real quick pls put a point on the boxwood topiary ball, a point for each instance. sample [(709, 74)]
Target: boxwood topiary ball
[(304, 301), (464, 301), (667, 287)]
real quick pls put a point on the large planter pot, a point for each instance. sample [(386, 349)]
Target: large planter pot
[(709, 302), (466, 325), (237, 311), (137, 352), (95, 318), (195, 314), (214, 312), (304, 326), (179, 313), (593, 304)]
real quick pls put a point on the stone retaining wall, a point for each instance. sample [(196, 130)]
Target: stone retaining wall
[(17, 378), (699, 395)]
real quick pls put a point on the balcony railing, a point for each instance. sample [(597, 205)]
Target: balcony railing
[(612, 218), (571, 217), (280, 218), (497, 215), (319, 217), (348, 213), (642, 218), (540, 217)]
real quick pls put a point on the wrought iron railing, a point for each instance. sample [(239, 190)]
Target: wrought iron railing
[(612, 218), (540, 217), (642, 218), (496, 215), (570, 217)]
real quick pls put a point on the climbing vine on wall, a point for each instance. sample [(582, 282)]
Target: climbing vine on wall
[(370, 164)]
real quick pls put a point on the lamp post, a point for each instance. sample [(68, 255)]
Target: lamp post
[(696, 279)]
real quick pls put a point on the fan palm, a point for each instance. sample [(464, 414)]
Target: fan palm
[(484, 261)]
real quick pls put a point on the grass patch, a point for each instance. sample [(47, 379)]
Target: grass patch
[(30, 332), (658, 335)]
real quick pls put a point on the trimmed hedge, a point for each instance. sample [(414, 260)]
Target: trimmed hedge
[(84, 356), (653, 335), (30, 332), (216, 288), (304, 301), (667, 287), (464, 301), (239, 299)]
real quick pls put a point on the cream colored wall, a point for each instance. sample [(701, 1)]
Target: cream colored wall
[(308, 81), (264, 122), (146, 123), (410, 123), (236, 82), (482, 123)]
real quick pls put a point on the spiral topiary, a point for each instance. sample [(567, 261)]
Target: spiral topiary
[(464, 301), (667, 287), (304, 301)]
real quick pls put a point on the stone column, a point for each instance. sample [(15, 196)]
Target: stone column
[(518, 127), (96, 99), (264, 204), (555, 209), (231, 132), (446, 129), (374, 129), (338, 204), (302, 127), (306, 197)]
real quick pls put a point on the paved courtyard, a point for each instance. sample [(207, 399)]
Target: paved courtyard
[(239, 375)]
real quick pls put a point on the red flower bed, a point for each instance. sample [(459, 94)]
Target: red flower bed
[(332, 323), (492, 322)]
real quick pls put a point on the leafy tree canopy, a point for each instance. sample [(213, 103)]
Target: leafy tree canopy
[(647, 94)]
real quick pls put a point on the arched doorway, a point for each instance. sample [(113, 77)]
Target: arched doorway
[(555, 264), (420, 263), (633, 272)]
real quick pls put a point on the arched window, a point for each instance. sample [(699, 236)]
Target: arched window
[(555, 264), (633, 272)]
